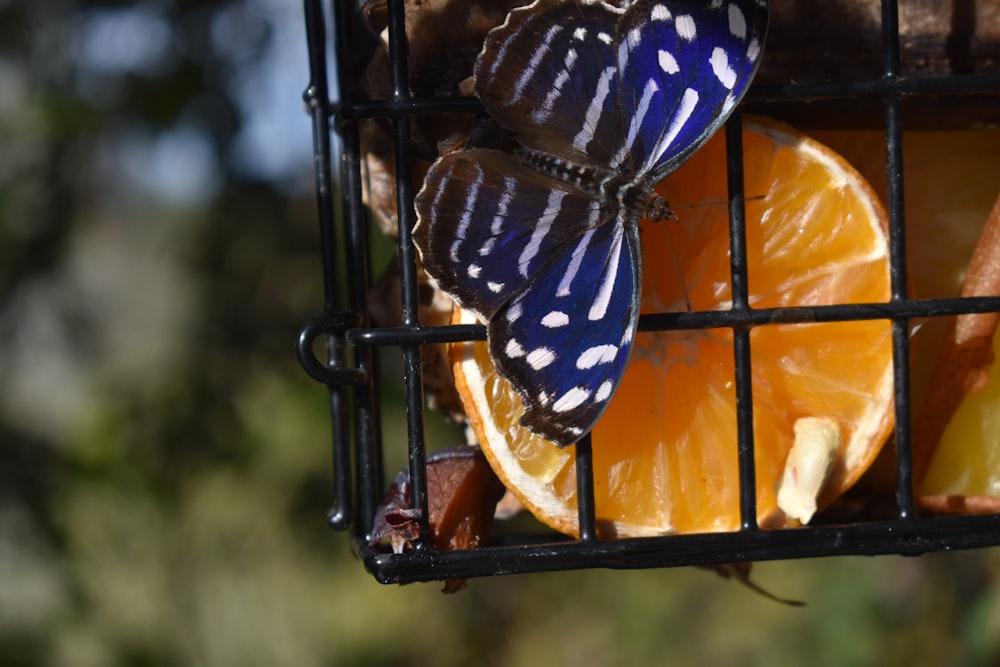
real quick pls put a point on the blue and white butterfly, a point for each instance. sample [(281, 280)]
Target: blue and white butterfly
[(543, 244)]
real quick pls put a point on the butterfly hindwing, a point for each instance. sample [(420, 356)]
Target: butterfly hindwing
[(683, 67), (564, 341), (487, 225)]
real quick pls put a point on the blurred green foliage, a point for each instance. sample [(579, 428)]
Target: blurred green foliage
[(164, 472)]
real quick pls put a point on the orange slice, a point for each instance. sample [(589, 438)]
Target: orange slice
[(665, 450)]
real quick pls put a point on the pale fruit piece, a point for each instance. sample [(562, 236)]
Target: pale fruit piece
[(959, 424), (967, 460)]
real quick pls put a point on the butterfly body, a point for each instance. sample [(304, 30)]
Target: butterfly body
[(611, 188), (543, 244)]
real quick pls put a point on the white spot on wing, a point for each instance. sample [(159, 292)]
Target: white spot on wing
[(474, 270), (472, 194), (580, 33), (603, 391), (604, 37), (633, 38), (497, 225), (528, 73), (685, 27), (641, 109), (728, 104), (660, 13), (571, 399), (513, 349), (555, 319), (541, 229), (514, 311), (629, 332), (598, 354), (494, 287), (720, 67), (542, 113), (577, 258), (737, 22), (668, 63), (540, 357), (599, 308), (689, 100), (594, 111)]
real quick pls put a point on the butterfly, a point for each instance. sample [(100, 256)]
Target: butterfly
[(542, 244)]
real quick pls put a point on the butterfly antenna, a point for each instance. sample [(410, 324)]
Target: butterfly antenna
[(673, 254), (677, 267), (713, 202)]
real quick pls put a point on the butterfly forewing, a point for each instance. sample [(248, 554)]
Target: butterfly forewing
[(552, 78), (565, 340), (683, 66), (488, 225)]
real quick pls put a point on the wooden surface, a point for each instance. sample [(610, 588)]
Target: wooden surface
[(809, 42)]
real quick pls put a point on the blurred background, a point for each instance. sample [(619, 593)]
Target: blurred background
[(164, 461)]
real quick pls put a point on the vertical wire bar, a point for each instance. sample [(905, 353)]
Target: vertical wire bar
[(741, 336), (369, 428), (897, 260), (317, 97), (408, 268), (585, 504), (368, 447)]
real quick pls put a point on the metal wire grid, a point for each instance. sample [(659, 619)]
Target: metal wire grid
[(349, 371)]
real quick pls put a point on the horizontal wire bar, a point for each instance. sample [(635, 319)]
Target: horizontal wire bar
[(709, 319), (402, 335), (939, 85), (910, 537), (762, 94)]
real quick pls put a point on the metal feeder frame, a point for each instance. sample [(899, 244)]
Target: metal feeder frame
[(349, 371)]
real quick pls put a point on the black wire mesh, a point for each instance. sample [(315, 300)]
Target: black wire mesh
[(351, 375)]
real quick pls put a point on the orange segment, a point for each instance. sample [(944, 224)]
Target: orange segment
[(665, 451)]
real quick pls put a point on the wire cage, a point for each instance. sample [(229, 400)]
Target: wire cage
[(875, 93)]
